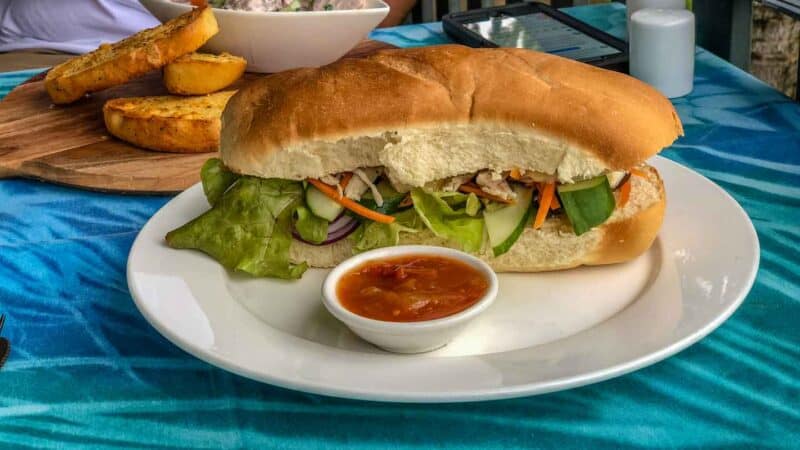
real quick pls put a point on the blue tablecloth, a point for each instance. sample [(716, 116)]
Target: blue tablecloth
[(87, 370)]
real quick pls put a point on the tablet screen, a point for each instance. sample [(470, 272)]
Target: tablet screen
[(541, 32)]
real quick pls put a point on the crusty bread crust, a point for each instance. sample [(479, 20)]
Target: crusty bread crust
[(168, 123), (202, 73), (274, 126), (628, 233), (115, 64)]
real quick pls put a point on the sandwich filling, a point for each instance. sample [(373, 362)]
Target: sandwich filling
[(253, 221)]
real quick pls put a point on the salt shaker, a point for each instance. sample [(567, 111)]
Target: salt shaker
[(635, 5), (662, 49)]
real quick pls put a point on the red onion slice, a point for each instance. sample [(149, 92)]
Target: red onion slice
[(340, 223)]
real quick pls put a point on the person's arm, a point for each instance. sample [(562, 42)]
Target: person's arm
[(399, 10)]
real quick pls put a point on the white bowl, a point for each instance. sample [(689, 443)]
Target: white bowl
[(407, 337), (276, 41)]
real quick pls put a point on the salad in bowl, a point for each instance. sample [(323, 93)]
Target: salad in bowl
[(284, 5), (317, 32)]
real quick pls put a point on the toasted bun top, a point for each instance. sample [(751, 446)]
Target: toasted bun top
[(432, 112)]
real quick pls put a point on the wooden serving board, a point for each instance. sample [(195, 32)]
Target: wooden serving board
[(69, 144)]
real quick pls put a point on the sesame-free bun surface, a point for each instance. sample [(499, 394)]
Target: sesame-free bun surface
[(433, 112), (628, 233)]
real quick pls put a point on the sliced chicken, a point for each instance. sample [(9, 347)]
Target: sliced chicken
[(363, 180), (285, 5), (324, 5), (376, 195), (256, 5), (493, 183), (453, 183), (332, 179)]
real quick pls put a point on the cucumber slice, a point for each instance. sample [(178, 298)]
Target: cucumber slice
[(587, 203), (505, 225), (583, 185), (322, 205)]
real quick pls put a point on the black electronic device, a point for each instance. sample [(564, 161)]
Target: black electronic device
[(537, 26)]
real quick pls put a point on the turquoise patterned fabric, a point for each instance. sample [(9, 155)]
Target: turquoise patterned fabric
[(86, 370)]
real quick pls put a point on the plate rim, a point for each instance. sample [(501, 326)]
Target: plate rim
[(478, 394)]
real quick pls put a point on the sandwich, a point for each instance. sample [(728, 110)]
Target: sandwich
[(530, 161)]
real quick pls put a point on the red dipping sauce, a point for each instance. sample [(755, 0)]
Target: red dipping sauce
[(411, 288)]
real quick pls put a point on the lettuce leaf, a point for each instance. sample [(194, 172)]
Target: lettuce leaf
[(371, 235), (452, 198), (216, 179), (454, 224), (470, 202), (310, 227), (249, 227)]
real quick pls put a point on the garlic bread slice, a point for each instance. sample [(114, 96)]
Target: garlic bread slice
[(202, 73), (168, 123)]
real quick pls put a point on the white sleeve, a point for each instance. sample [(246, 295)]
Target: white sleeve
[(73, 26)]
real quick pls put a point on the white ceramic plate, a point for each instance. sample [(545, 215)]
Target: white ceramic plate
[(545, 332)]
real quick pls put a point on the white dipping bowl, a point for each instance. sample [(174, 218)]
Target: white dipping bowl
[(276, 41), (407, 337)]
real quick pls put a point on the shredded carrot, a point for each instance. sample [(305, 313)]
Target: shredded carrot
[(346, 179), (474, 189), (515, 174), (545, 199), (638, 172), (361, 210), (555, 204), (624, 193), (199, 3)]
